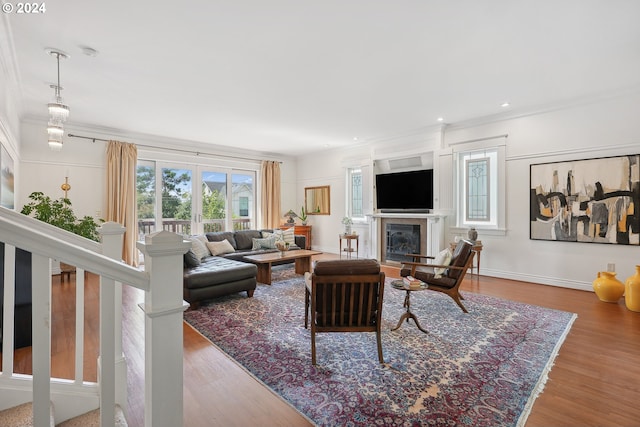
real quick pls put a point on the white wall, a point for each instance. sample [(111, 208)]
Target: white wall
[(329, 168), (607, 127), (45, 170), (83, 161)]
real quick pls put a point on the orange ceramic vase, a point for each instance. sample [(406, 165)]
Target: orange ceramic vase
[(632, 291), (607, 287)]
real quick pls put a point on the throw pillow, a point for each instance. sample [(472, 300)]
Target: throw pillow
[(198, 247), (266, 243), (191, 259), (287, 235), (220, 248), (443, 258)]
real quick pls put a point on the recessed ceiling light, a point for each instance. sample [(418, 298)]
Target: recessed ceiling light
[(355, 138), (441, 119), (505, 104), (89, 51)]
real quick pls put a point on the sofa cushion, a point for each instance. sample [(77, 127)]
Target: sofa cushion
[(264, 243), (199, 247), (219, 236), (191, 259), (216, 270), (244, 238), (220, 248)]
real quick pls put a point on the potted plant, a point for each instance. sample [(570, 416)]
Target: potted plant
[(347, 221), (303, 216), (58, 212)]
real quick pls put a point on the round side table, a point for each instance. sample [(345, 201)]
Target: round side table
[(400, 285)]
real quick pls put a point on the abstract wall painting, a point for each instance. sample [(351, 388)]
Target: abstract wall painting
[(6, 179), (591, 201)]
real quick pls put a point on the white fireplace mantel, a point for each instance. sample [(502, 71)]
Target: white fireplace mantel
[(435, 229)]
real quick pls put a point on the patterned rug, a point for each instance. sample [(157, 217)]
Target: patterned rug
[(484, 368)]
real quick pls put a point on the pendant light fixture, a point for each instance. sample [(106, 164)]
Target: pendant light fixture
[(58, 111)]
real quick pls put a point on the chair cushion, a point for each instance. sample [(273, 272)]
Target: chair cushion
[(431, 279), (346, 266), (459, 258)]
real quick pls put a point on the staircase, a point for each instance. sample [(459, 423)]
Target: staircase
[(22, 416), (40, 400)]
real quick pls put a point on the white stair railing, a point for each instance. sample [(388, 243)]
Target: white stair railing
[(162, 283)]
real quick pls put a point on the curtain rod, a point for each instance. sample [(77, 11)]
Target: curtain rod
[(197, 153)]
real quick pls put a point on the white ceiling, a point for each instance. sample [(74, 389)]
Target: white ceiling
[(295, 76)]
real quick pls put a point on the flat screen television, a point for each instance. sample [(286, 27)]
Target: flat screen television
[(405, 191)]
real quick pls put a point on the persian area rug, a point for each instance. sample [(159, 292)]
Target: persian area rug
[(484, 368)]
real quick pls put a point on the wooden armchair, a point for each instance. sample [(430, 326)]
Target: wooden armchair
[(449, 281), (344, 296)]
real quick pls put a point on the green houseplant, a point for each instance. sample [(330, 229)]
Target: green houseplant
[(58, 212), (303, 216)]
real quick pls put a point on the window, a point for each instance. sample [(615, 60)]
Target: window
[(480, 203), (243, 203), (354, 193)]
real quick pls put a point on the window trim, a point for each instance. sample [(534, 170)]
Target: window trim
[(498, 206), (349, 193)]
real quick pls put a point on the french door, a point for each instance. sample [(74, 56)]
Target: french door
[(194, 199)]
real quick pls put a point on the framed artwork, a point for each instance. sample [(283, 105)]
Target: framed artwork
[(6, 179), (591, 201)]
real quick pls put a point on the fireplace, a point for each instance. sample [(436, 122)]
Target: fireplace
[(399, 235), (400, 240)]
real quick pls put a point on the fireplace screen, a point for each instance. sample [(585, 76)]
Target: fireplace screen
[(402, 239)]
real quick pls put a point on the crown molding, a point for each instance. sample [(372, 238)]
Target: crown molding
[(542, 109), (151, 142)]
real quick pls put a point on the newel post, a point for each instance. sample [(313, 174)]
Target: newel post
[(112, 235), (163, 306)]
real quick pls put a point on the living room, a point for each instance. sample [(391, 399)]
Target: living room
[(573, 125)]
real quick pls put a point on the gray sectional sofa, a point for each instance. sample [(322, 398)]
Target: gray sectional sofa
[(222, 269)]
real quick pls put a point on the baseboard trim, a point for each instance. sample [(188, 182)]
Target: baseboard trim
[(542, 280)]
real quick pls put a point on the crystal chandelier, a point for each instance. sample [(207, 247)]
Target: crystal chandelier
[(58, 111)]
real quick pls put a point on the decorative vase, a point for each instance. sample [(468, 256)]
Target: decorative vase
[(347, 229), (632, 291), (607, 287), (472, 234)]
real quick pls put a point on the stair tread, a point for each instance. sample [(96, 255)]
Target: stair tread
[(19, 416), (92, 419)]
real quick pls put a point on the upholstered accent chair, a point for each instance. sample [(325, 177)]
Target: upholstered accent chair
[(443, 278), (344, 296)]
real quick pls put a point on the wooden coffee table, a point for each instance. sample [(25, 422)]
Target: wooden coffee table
[(302, 259)]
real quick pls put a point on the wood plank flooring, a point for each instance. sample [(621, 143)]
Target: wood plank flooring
[(595, 380)]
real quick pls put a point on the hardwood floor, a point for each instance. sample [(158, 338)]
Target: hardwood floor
[(595, 380)]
